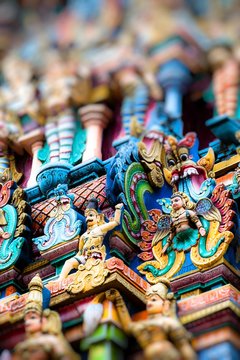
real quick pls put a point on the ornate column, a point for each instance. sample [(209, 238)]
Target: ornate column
[(225, 69), (95, 118), (32, 142), (174, 77), (108, 341)]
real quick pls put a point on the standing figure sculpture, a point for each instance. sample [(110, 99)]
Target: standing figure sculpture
[(45, 340), (161, 335), (19, 93), (91, 242)]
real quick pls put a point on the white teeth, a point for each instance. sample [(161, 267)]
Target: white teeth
[(185, 173), (189, 172), (96, 255), (195, 171), (175, 178)]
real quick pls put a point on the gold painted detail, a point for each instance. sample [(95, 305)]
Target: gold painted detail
[(136, 129), (160, 263), (23, 209), (213, 238), (191, 293), (225, 166), (151, 161), (90, 275), (210, 310)]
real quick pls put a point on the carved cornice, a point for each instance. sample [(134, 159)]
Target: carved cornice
[(120, 277), (199, 279), (226, 334)]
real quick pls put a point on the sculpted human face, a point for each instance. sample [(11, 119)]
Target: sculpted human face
[(91, 217), (33, 323), (155, 304), (177, 203)]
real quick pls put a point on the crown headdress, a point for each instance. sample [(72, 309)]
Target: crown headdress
[(35, 296)]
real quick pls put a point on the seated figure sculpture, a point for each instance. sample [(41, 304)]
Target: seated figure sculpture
[(92, 239), (161, 335)]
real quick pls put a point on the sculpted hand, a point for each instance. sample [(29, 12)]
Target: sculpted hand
[(119, 206), (202, 231), (82, 259), (165, 248), (112, 295)]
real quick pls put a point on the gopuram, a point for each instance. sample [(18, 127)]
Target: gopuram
[(119, 180)]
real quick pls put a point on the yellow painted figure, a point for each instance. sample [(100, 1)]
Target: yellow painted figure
[(45, 340), (92, 240), (161, 335), (182, 215)]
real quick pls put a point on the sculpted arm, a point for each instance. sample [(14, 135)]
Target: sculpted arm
[(170, 238), (115, 222), (122, 311), (186, 350), (80, 244), (181, 338), (197, 222)]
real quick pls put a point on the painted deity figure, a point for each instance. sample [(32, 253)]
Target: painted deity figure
[(91, 242), (19, 91), (64, 223), (224, 63), (45, 340), (183, 216), (201, 228), (161, 335)]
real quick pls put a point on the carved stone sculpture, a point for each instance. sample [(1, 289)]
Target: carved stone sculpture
[(199, 227), (161, 335), (45, 340), (64, 223), (91, 242)]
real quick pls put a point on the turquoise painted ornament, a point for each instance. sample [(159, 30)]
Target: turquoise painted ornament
[(78, 147), (15, 226), (64, 224), (52, 175)]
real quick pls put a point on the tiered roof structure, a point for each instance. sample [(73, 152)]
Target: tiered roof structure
[(119, 180)]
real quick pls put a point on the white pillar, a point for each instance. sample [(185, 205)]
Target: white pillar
[(95, 118)]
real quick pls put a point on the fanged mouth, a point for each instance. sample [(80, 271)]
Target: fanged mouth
[(197, 175), (95, 255)]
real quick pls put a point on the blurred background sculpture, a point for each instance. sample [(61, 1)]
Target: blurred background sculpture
[(44, 340), (161, 335)]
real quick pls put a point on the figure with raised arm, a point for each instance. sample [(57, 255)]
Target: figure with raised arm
[(92, 240), (161, 335)]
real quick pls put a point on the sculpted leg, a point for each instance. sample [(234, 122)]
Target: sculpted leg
[(67, 267)]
